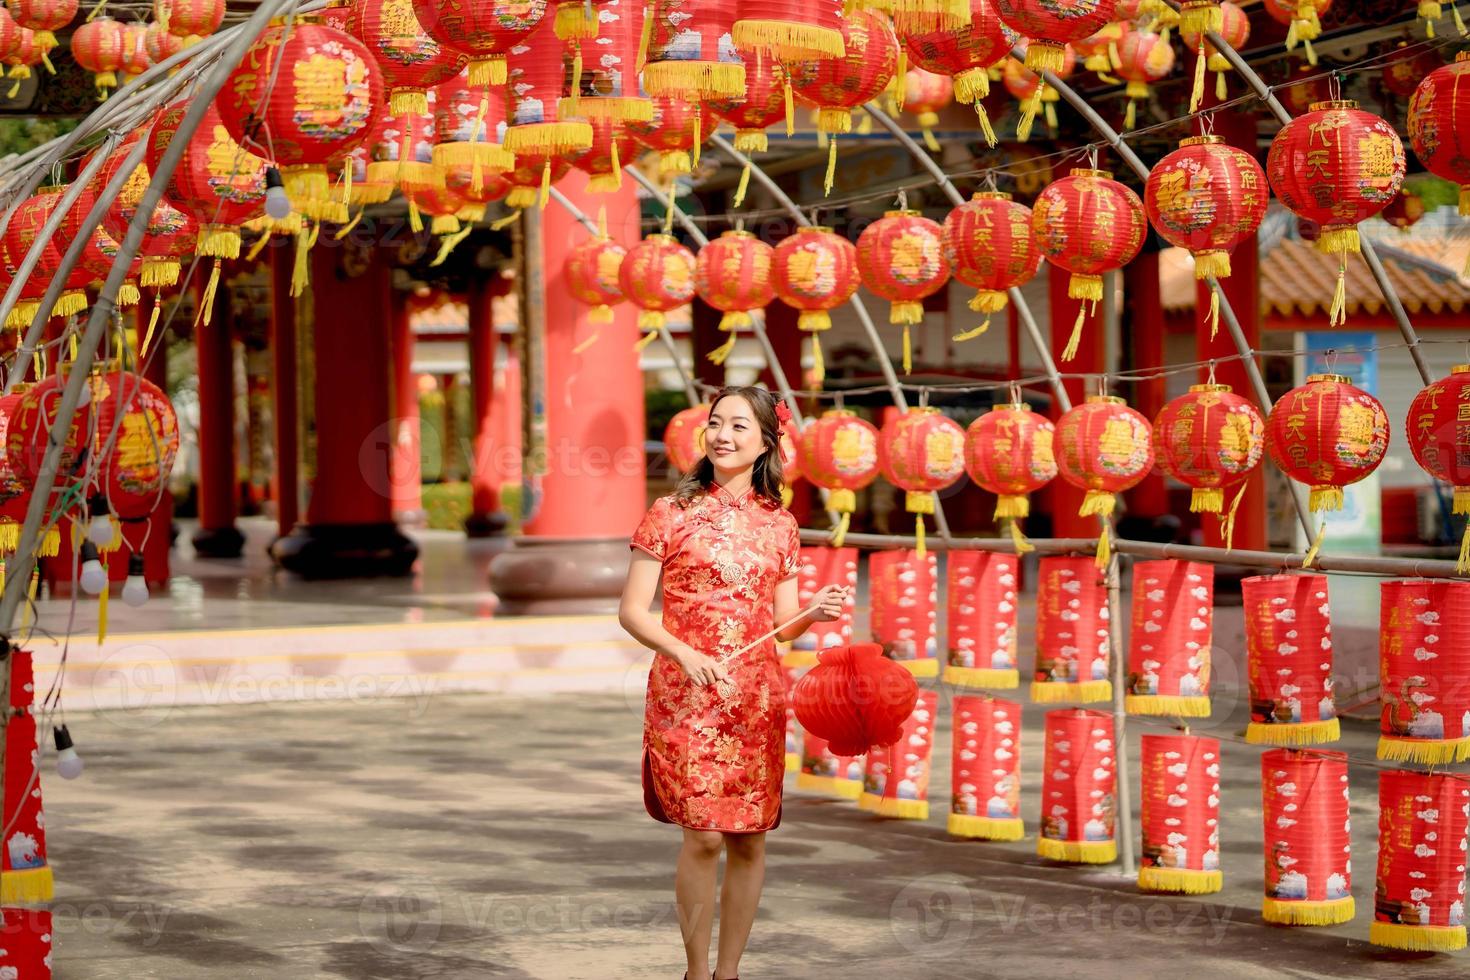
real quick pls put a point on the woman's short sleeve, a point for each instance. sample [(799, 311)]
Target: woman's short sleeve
[(652, 535), (791, 550)]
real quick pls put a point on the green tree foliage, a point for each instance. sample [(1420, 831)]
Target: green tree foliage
[(21, 133)]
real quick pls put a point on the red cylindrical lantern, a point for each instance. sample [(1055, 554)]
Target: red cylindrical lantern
[(592, 276), (1050, 26), (1232, 24), (410, 60), (789, 30), (904, 587), (1288, 640), (1209, 439), (657, 275), (1423, 663), (1009, 451), (1327, 434), (604, 71), (1303, 19), (823, 772), (967, 53), (985, 781), (691, 55), (1170, 639), (98, 46), (921, 452), (1337, 166), (1304, 833), (1439, 139), (839, 453), (1103, 447), (901, 259), (1088, 224), (676, 131), (925, 94), (1180, 776), (403, 148), (982, 606), (989, 246), (1078, 788), (855, 698), (1072, 632), (483, 30), (1143, 58), (26, 870), (1419, 896), (760, 106), (896, 782), (612, 144), (836, 86), (733, 275), (189, 18), (466, 140), (819, 567), (815, 271), (1441, 443), (536, 85)]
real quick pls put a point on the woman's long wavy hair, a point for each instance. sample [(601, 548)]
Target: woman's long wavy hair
[(766, 477)]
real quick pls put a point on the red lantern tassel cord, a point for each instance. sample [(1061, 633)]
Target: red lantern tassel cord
[(1180, 775), (985, 799)]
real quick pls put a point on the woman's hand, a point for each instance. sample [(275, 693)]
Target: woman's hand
[(700, 669), (829, 603)]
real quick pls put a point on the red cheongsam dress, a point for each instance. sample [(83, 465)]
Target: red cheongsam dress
[(711, 763)]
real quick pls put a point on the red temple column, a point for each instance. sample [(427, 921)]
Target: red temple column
[(487, 475), (349, 530), (284, 380), (405, 467), (217, 536), (1064, 500), (591, 491), (1145, 305)]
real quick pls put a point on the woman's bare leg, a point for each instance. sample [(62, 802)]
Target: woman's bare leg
[(740, 896), (694, 894)]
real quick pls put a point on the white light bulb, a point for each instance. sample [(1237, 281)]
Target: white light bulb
[(68, 764), (135, 591), (277, 204), (99, 531), (94, 577)]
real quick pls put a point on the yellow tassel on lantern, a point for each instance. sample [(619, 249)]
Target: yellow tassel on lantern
[(1425, 751), (50, 543), (152, 325), (408, 101), (831, 174), (1206, 500), (1083, 692), (1437, 939), (1197, 92), (1429, 12), (1167, 705), (986, 828), (789, 40), (449, 242), (743, 186), (971, 334), (1028, 113), (1078, 851), (70, 303), (1311, 555), (206, 301), (1327, 913), (487, 72), (1098, 502), (443, 224), (997, 678), (102, 611), (27, 885), (688, 79), (1184, 880), (1075, 339), (9, 538), (159, 272), (1044, 56), (1293, 733), (791, 117), (1337, 314), (1018, 540)]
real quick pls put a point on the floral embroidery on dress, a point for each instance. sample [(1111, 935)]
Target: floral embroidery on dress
[(712, 763)]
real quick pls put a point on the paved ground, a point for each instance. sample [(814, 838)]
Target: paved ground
[(468, 836)]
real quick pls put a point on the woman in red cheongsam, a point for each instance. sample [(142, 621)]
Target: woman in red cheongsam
[(714, 743)]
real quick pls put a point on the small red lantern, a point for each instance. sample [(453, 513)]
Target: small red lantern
[(1304, 834), (135, 59), (855, 698), (9, 33), (1103, 447), (733, 275), (22, 232), (218, 182), (169, 235), (789, 30), (1328, 434), (836, 86), (1407, 67), (691, 55), (1072, 632), (1304, 20), (410, 60), (1180, 776), (1440, 139), (657, 275), (904, 594), (985, 769), (1169, 643), (603, 162), (921, 452), (1078, 788), (684, 436), (1051, 26), (1441, 443), (1288, 640), (189, 18), (45, 17), (896, 780), (1404, 211), (592, 275), (1099, 51), (1231, 23), (1028, 88), (967, 53), (441, 205), (531, 180), (604, 72), (1419, 897), (676, 131), (839, 453), (162, 45), (1009, 452), (482, 30), (466, 146), (142, 458), (1088, 224), (29, 428), (982, 620), (1143, 58), (989, 246), (1424, 658), (98, 46), (1304, 88), (925, 94), (901, 258), (1208, 439), (815, 271), (764, 104)]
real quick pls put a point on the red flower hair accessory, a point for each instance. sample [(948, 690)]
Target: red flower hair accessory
[(783, 415)]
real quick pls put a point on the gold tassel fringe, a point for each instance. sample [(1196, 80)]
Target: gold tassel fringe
[(27, 885), (846, 789), (986, 828), (705, 80), (788, 40), (1082, 692), (1207, 500), (1293, 733), (1183, 880), (1288, 913), (1167, 705), (1078, 851), (997, 678), (1012, 505), (1425, 751), (1438, 939)]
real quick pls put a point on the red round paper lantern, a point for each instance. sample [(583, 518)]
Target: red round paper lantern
[(9, 33), (1305, 838), (1169, 642), (1328, 434), (1232, 24), (98, 45), (45, 17), (1208, 198), (1439, 442), (657, 275), (1208, 439), (531, 180), (839, 453), (1423, 660), (189, 18), (1051, 26), (1143, 58), (1435, 130), (133, 472), (1009, 452), (901, 259), (1180, 815), (441, 205), (762, 105), (733, 275), (691, 54), (684, 437), (1404, 211), (466, 141), (160, 44), (1103, 447), (30, 426), (603, 162), (967, 53), (985, 774), (981, 619), (925, 94), (1303, 19), (921, 452), (815, 271), (410, 60), (170, 232), (23, 231), (1088, 224), (135, 60), (1288, 641), (1078, 788), (1419, 896), (1072, 623), (217, 182), (676, 131), (789, 30), (592, 275), (100, 250), (482, 30), (855, 698), (1099, 51), (896, 778), (989, 246)]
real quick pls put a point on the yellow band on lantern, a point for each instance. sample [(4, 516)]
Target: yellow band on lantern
[(1183, 880), (1078, 851), (1427, 751), (981, 678), (1432, 938), (1328, 913), (1167, 705), (847, 789), (1083, 692), (986, 828), (1293, 733)]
